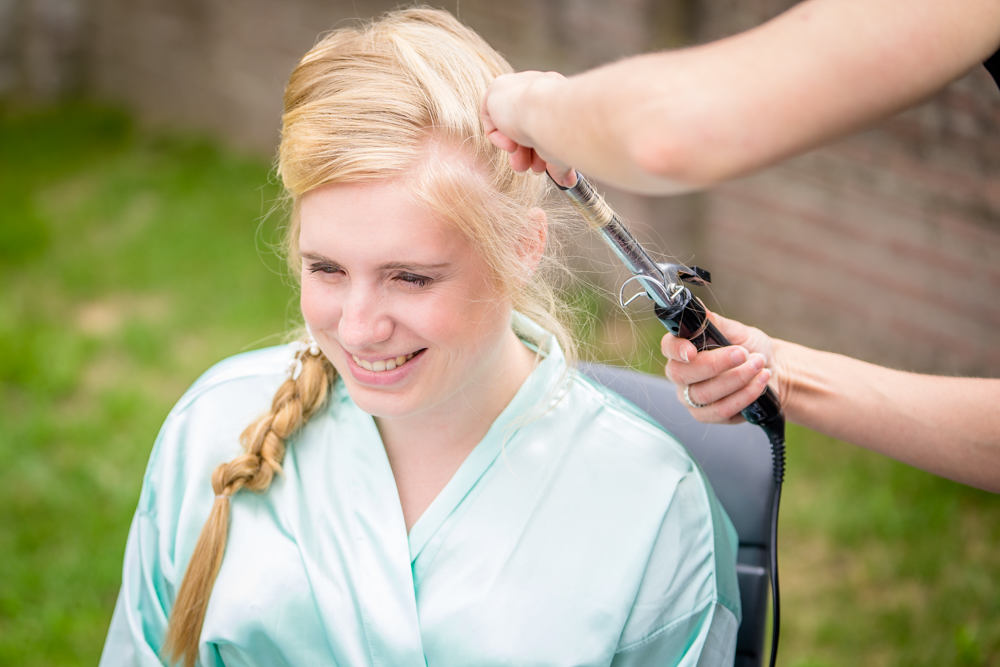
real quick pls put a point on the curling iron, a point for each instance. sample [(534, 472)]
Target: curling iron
[(685, 316)]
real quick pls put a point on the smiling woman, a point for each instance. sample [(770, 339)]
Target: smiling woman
[(452, 492), (414, 324)]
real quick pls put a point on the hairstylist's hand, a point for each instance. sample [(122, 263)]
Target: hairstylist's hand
[(502, 111), (727, 379)]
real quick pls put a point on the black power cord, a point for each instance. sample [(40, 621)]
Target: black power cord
[(778, 458)]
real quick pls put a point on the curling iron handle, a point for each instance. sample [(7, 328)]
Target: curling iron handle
[(766, 408), (693, 324)]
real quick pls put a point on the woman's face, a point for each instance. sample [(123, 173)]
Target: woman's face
[(401, 305)]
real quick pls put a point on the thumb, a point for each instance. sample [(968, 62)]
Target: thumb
[(563, 176)]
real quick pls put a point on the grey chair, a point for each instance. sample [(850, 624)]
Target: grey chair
[(737, 462)]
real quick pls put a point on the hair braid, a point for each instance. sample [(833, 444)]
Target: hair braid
[(296, 400)]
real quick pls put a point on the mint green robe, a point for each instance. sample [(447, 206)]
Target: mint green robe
[(576, 533)]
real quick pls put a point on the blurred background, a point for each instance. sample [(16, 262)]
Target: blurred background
[(137, 219)]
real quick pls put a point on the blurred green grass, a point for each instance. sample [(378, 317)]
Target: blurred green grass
[(131, 261)]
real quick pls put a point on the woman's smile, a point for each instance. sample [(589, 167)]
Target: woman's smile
[(383, 372), (382, 364)]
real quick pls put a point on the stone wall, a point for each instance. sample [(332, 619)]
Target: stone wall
[(884, 246)]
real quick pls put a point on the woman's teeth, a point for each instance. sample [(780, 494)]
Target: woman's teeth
[(382, 364)]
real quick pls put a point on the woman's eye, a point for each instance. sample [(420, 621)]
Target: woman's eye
[(413, 279), (324, 268)]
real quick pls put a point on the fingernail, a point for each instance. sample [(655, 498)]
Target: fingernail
[(683, 354), (739, 355), (757, 361), (766, 376)]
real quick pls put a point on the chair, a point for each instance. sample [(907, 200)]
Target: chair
[(737, 462)]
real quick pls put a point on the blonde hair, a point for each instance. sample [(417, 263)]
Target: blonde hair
[(396, 99)]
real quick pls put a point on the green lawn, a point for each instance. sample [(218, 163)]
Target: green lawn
[(130, 262)]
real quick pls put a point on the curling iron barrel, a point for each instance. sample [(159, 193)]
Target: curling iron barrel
[(659, 287), (682, 313)]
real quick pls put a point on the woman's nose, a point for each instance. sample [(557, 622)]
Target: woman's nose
[(363, 321)]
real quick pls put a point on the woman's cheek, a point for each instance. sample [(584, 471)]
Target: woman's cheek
[(319, 307)]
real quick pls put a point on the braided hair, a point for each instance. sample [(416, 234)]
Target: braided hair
[(297, 399)]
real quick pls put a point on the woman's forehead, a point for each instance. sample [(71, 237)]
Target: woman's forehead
[(375, 219), (388, 202)]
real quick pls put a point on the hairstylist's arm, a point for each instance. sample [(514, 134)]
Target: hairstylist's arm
[(945, 425), (664, 122)]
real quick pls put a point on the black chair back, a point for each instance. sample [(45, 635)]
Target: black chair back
[(737, 462)]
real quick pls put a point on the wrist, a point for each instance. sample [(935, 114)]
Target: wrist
[(817, 388), (790, 377)]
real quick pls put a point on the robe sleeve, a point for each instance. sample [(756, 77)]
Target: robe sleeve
[(199, 433), (149, 584), (140, 619), (173, 505), (687, 611)]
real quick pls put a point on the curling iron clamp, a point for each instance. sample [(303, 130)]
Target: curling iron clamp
[(685, 316)]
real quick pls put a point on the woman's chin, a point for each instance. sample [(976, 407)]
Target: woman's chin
[(382, 404)]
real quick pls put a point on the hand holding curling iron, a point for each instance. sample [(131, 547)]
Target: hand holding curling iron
[(724, 381)]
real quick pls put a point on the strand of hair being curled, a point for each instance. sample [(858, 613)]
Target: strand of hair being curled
[(296, 400)]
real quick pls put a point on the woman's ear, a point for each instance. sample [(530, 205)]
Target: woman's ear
[(534, 246)]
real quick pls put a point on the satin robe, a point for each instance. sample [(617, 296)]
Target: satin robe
[(577, 532)]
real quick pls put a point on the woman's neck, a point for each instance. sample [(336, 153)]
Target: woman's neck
[(426, 450)]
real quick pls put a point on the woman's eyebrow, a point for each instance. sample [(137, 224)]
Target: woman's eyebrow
[(407, 266), (411, 266), (315, 257)]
